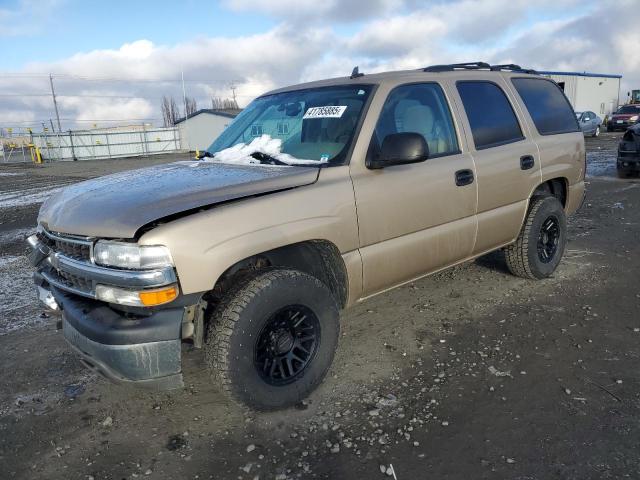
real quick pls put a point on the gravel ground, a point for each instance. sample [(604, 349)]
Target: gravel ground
[(470, 373)]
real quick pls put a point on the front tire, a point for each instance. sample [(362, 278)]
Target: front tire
[(538, 249), (272, 339), (596, 132)]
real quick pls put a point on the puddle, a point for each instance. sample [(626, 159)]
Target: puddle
[(601, 164)]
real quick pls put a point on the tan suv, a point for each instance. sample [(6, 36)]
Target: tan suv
[(316, 197)]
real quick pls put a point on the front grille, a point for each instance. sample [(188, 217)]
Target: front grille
[(76, 251), (75, 248), (71, 247), (74, 281)]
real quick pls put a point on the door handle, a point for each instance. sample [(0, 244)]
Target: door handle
[(527, 162), (464, 177)]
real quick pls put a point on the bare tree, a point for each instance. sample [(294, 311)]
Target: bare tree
[(218, 103), (170, 112), (190, 106)]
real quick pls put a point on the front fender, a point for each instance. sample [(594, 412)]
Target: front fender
[(205, 244)]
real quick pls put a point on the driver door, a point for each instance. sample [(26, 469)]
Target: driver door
[(415, 219)]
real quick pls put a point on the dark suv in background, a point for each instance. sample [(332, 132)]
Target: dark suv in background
[(624, 118)]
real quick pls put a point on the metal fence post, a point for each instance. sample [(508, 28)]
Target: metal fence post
[(73, 150)]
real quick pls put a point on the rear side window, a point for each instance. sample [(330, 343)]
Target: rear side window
[(549, 108), (490, 114)]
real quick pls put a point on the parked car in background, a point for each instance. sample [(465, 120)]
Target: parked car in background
[(629, 152), (624, 118), (589, 123)]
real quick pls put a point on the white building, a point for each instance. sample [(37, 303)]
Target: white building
[(199, 130), (595, 92)]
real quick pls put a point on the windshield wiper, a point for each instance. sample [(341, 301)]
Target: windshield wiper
[(203, 154), (267, 159)]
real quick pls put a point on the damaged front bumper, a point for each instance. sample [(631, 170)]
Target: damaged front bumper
[(133, 345), (145, 351)]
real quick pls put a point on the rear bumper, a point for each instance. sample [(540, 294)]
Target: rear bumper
[(143, 351), (575, 197)]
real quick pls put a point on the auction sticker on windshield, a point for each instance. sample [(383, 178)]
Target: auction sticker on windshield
[(330, 111)]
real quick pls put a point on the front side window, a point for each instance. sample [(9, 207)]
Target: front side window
[(491, 117), (419, 108), (550, 110), (315, 124)]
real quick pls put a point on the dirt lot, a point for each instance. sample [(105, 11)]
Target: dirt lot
[(471, 373)]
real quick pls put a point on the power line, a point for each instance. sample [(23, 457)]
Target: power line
[(63, 76)]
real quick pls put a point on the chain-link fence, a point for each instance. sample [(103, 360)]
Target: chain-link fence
[(136, 140)]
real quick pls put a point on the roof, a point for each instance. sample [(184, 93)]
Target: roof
[(393, 76), (581, 74), (228, 113)]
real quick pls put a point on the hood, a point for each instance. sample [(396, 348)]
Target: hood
[(624, 116), (116, 206)]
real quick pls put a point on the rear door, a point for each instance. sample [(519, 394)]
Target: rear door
[(507, 160), (554, 128)]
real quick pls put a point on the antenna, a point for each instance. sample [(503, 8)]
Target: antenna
[(355, 73)]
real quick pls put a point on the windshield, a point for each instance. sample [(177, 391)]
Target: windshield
[(315, 124), (630, 109)]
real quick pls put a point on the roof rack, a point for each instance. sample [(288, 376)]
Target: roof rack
[(457, 66), (478, 66), (512, 67)]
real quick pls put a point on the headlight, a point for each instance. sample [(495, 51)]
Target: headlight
[(131, 255), (140, 298), (634, 118)]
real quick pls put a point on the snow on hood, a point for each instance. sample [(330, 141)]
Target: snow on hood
[(241, 153)]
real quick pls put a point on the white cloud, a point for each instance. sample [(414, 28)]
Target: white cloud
[(315, 11), (384, 34)]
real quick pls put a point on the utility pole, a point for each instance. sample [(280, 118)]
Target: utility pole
[(233, 93), (55, 103), (186, 114), (184, 97)]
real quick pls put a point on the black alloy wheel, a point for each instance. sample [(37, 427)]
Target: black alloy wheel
[(287, 344), (548, 239)]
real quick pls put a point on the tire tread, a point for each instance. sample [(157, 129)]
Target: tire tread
[(516, 254)]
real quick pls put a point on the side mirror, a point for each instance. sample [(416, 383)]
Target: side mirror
[(400, 149)]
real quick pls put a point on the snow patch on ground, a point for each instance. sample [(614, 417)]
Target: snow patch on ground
[(10, 174), (16, 235), (241, 153), (26, 197), (19, 307)]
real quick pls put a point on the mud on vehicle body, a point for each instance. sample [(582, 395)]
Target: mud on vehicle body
[(316, 197)]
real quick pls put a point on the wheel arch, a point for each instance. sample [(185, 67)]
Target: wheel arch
[(319, 258), (557, 187)]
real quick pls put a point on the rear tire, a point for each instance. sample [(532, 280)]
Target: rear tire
[(538, 249), (259, 343)]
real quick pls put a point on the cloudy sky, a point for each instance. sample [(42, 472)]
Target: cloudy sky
[(113, 61)]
